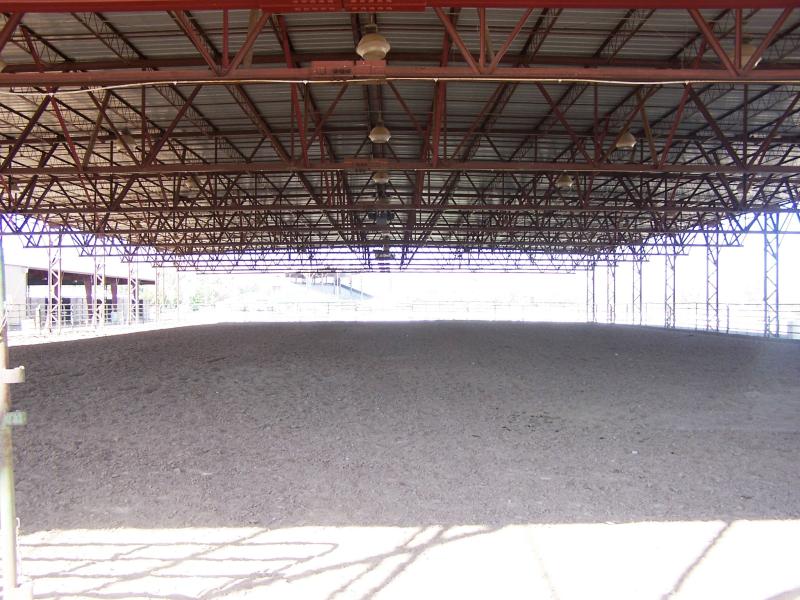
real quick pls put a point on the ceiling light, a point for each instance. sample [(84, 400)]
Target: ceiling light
[(126, 137), (380, 134), (3, 65), (626, 142), (380, 177), (373, 46), (386, 252), (564, 182), (748, 50)]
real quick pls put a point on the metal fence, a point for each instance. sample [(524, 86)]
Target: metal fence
[(37, 319), (733, 318), (40, 316)]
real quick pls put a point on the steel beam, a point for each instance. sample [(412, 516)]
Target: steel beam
[(99, 285), (712, 281), (368, 72), (611, 292), (564, 209), (133, 293), (324, 55), (772, 307), (669, 284), (637, 302), (455, 198), (7, 30), (53, 316), (286, 6), (591, 300), (158, 292), (73, 173)]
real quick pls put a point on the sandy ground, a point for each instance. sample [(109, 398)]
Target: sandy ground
[(424, 460)]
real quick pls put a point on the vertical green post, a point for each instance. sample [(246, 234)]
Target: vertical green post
[(8, 518)]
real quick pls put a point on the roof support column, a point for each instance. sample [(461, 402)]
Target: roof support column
[(99, 285), (133, 293), (159, 291), (88, 287), (591, 304), (669, 284), (772, 325), (611, 292), (54, 286), (712, 281), (114, 309), (636, 298)]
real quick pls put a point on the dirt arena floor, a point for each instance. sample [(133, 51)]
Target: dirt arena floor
[(411, 461)]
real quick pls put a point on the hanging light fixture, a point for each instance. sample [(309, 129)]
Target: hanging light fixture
[(373, 46), (748, 50), (189, 185), (3, 65), (380, 134), (625, 142), (385, 253), (380, 177), (564, 182), (13, 187), (127, 137)]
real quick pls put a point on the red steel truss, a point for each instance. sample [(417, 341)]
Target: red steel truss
[(305, 6), (234, 134)]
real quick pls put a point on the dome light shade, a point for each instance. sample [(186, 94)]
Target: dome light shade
[(626, 141), (380, 177), (748, 50), (127, 137), (380, 134), (564, 182), (373, 46), (3, 65)]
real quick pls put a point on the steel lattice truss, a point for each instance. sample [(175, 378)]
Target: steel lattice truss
[(238, 139)]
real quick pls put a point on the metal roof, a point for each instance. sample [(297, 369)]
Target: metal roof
[(130, 126)]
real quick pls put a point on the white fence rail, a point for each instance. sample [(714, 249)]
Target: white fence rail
[(34, 319)]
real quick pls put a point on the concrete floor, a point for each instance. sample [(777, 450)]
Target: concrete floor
[(424, 460)]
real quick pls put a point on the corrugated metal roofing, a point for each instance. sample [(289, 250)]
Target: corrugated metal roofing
[(219, 127)]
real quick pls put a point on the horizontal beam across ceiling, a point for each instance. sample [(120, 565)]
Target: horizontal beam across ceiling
[(379, 72), (306, 6), (376, 164)]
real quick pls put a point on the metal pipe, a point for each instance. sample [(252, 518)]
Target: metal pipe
[(338, 72)]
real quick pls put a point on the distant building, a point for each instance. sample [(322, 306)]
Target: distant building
[(32, 302)]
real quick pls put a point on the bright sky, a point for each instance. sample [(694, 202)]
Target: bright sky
[(740, 279)]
